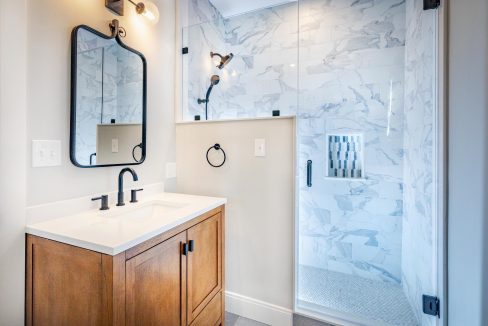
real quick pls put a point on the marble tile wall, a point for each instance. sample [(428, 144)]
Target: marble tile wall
[(261, 78), (418, 246), (351, 74)]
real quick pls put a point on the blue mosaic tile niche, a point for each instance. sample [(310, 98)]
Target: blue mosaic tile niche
[(345, 156)]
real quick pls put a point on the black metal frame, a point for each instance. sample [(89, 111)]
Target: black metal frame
[(74, 62)]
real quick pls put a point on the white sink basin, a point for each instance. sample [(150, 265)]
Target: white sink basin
[(147, 210)]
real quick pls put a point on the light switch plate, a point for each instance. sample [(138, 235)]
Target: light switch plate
[(46, 153), (259, 147), (115, 145), (170, 170)]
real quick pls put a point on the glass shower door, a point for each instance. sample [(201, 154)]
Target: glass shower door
[(366, 153)]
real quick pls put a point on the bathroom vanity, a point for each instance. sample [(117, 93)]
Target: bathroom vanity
[(156, 262)]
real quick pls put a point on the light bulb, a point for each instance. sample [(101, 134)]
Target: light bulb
[(149, 10)]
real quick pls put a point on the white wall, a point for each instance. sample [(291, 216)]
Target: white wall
[(34, 104), (260, 210), (49, 25), (468, 163), (12, 158)]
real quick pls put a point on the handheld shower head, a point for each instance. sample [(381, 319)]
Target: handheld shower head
[(224, 60), (214, 80)]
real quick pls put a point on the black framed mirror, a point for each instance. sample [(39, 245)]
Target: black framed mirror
[(108, 100)]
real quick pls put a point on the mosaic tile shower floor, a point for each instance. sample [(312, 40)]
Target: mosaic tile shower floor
[(368, 299)]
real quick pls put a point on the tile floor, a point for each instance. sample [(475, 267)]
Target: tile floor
[(376, 301), (304, 321), (235, 320)]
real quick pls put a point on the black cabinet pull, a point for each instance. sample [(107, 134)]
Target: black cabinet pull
[(191, 245), (309, 173), (185, 249)]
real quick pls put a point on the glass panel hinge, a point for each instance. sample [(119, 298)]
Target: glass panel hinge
[(431, 305), (431, 4)]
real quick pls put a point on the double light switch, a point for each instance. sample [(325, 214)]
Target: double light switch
[(46, 153)]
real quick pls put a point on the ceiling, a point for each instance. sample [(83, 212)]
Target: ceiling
[(229, 8)]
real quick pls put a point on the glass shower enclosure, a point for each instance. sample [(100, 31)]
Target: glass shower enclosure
[(367, 123), (361, 79)]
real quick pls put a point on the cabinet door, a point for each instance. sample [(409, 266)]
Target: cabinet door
[(204, 264), (155, 288)]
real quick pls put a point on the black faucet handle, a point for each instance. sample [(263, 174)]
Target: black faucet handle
[(133, 195), (104, 199)]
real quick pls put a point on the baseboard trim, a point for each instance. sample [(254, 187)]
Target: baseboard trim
[(258, 310)]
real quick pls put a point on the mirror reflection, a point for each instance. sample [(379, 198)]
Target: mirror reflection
[(109, 101)]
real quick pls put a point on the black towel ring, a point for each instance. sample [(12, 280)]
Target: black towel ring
[(217, 148)]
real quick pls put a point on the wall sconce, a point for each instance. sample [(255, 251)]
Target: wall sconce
[(147, 9)]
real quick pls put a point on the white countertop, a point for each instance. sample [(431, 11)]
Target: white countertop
[(120, 228)]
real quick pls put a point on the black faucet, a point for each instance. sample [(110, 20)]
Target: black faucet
[(104, 199), (120, 195)]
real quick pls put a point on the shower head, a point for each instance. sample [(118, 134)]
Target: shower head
[(224, 60), (214, 80)]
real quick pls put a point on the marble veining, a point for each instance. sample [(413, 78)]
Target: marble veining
[(418, 246), (351, 76), (261, 78)]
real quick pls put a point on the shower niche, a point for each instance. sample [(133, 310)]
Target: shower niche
[(345, 156)]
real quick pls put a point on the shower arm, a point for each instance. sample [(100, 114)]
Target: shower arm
[(213, 54)]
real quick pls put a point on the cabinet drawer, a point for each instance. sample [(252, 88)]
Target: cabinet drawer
[(211, 314)]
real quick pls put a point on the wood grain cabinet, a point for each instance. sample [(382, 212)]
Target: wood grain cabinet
[(174, 279)]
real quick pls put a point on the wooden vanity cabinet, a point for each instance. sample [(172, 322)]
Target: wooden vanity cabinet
[(173, 279)]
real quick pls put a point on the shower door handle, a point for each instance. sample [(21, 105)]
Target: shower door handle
[(309, 173)]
